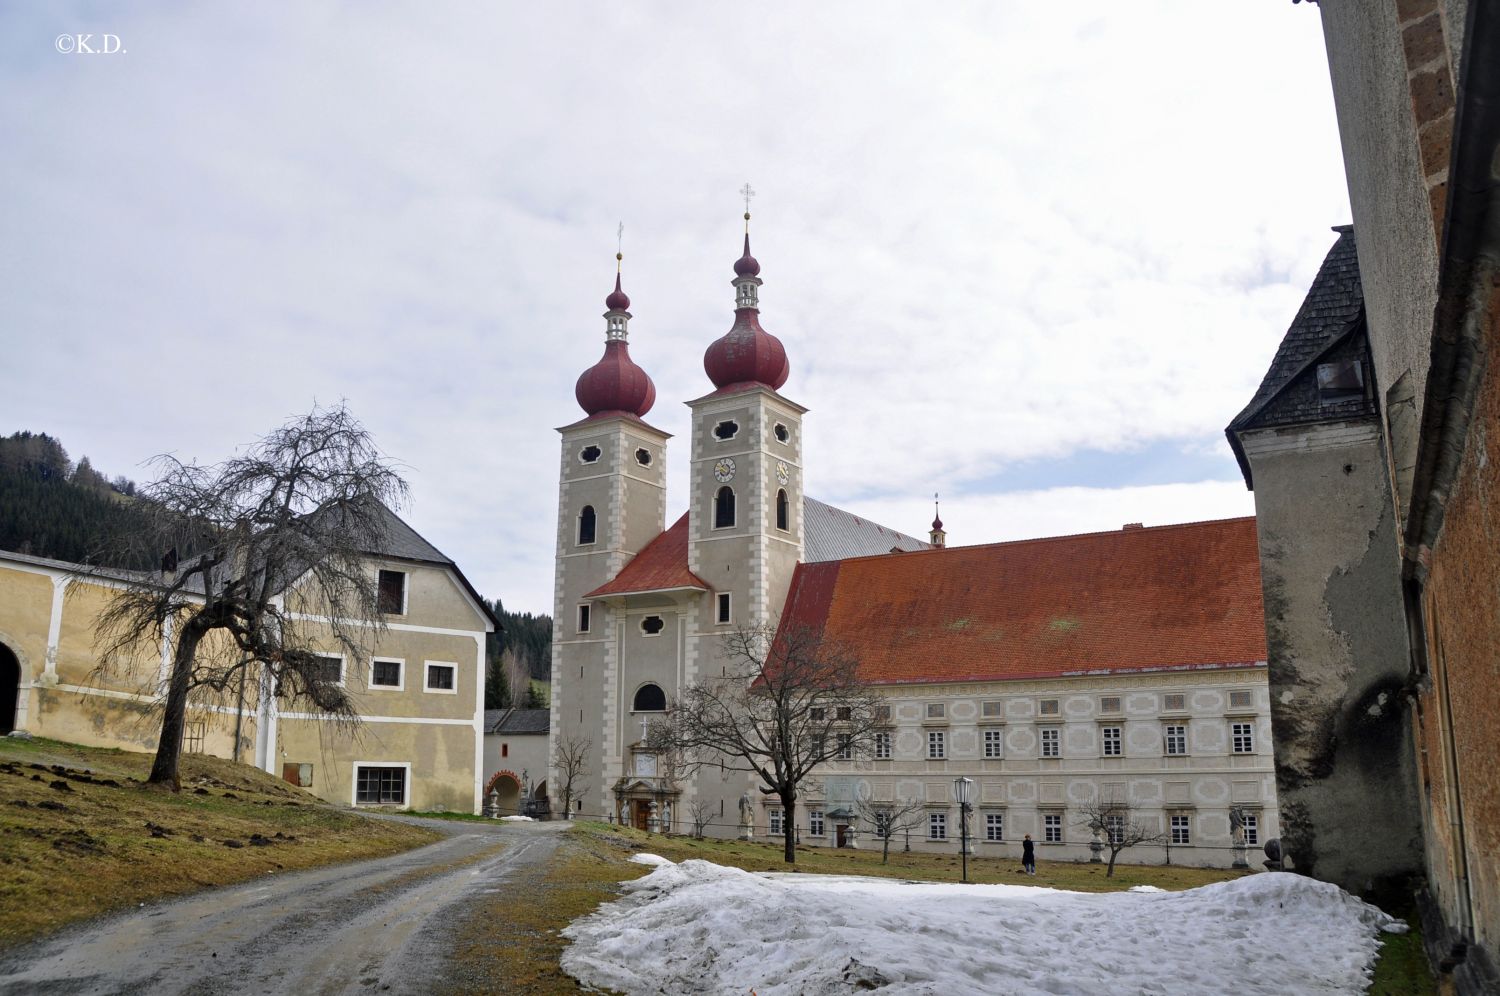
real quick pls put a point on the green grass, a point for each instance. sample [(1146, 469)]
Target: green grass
[(1401, 968), (436, 814), (82, 834)]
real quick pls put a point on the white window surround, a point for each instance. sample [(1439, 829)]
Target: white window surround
[(1052, 828), (774, 822), (724, 609), (937, 826), (1242, 738), (405, 587), (584, 458), (343, 667), (399, 686), (427, 677), (1181, 829), (882, 746), (937, 745), (585, 618), (1174, 739), (1049, 741), (405, 785), (815, 825), (994, 742), (1112, 740), (647, 635), (994, 827)]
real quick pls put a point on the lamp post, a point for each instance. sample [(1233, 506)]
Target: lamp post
[(962, 791)]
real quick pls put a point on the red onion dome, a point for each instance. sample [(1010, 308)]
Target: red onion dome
[(617, 301), (747, 353), (615, 383), (747, 265), (937, 524)]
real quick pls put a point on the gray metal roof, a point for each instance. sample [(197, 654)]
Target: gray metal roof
[(830, 533), (404, 542), (517, 721)]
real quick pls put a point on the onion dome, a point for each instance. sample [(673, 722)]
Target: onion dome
[(615, 383), (747, 353)]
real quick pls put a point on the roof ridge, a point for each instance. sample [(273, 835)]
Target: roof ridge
[(1062, 536)]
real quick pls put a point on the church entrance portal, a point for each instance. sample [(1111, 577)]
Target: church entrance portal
[(10, 689), (508, 790), (640, 814)]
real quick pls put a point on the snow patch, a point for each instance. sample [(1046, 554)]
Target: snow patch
[(655, 860), (516, 819), (699, 927)]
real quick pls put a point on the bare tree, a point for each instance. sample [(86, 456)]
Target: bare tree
[(701, 814), (888, 819), (571, 758), (1114, 821), (263, 564), (786, 703)]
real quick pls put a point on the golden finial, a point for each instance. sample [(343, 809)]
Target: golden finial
[(747, 192)]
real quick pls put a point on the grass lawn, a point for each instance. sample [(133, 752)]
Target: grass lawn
[(1402, 968), (81, 834)]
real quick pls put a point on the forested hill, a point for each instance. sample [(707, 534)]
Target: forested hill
[(52, 507), (529, 636)]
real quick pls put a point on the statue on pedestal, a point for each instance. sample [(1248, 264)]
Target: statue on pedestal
[(747, 817)]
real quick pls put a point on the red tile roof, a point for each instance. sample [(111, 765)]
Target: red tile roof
[(1169, 597), (661, 565)]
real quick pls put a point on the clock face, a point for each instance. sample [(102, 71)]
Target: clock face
[(724, 470), (783, 473)]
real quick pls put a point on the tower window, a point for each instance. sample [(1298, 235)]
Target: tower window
[(723, 615), (650, 698), (586, 525), (585, 618), (652, 625), (782, 433), (589, 454), (643, 457), (724, 508), (783, 510), (726, 429)]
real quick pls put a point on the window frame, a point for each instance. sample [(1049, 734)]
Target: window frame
[(724, 609), (1186, 839), (843, 744), (635, 698), (994, 826), (816, 825), (1052, 822), (1167, 738), (645, 634), (937, 825), (775, 822), (1116, 741), (994, 737), (1250, 824), (427, 668), (590, 515), (343, 667), (403, 766), (1242, 743), (583, 622), (734, 430), (399, 686), (783, 511), (380, 574), (883, 745), (719, 516), (1049, 736), (937, 740)]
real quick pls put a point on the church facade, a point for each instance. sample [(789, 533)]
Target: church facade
[(1122, 665)]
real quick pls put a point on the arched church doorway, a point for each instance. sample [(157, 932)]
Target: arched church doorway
[(507, 787), (10, 689)]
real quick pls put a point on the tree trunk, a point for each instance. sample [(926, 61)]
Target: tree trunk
[(174, 714), (789, 854), (885, 848), (1110, 871)]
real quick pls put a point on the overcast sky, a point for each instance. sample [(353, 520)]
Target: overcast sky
[(1034, 256)]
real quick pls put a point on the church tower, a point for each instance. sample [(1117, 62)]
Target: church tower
[(611, 504), (745, 506)]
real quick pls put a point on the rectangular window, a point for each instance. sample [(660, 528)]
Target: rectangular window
[(1252, 828), (936, 710), (843, 713), (1051, 741), (585, 618), (1110, 703), (1112, 741), (1239, 700), (391, 598), (724, 615), (883, 713), (818, 714), (379, 786), (882, 746), (845, 747), (330, 669), (815, 822), (774, 818), (442, 677), (1047, 707), (994, 741), (192, 737), (1243, 737), (385, 673), (1114, 825), (937, 826), (1182, 832), (937, 744), (1052, 828), (994, 826), (1174, 703), (991, 710), (1175, 737)]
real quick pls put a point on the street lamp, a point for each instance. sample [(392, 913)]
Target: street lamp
[(963, 789)]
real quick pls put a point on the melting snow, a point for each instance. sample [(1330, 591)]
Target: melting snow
[(698, 927)]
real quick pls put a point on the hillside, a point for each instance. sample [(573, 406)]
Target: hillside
[(52, 507)]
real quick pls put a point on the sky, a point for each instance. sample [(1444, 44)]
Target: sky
[(1033, 257)]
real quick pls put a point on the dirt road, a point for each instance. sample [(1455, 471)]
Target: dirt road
[(369, 927)]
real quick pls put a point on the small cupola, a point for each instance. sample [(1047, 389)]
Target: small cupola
[(747, 353), (616, 383)]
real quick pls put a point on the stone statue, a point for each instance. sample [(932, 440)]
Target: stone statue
[(747, 815)]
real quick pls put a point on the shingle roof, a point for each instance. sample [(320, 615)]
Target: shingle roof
[(517, 721), (402, 542), (1169, 597), (832, 534), (661, 565), (1331, 314)]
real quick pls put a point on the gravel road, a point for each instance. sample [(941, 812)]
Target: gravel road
[(366, 927)]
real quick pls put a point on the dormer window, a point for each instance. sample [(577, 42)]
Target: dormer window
[(726, 429), (1341, 380), (589, 454)]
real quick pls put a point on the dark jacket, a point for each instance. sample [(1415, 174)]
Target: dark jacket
[(1028, 851)]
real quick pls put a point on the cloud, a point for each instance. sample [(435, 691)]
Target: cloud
[(992, 236)]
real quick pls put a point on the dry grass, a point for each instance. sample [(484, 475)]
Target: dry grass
[(81, 834)]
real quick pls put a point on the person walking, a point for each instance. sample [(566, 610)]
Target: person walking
[(1028, 855)]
